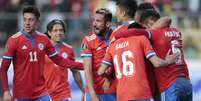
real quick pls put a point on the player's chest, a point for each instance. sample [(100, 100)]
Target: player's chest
[(99, 47), (31, 47)]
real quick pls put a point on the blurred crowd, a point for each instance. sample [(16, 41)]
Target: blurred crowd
[(185, 14)]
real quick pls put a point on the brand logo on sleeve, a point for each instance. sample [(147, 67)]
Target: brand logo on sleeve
[(40, 46)]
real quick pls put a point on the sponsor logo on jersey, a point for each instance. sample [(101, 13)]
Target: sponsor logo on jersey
[(40, 46), (64, 55)]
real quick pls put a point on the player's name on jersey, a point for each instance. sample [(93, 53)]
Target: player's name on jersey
[(172, 34), (121, 45)]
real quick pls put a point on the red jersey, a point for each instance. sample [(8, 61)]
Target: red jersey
[(120, 28), (28, 67), (163, 40), (128, 59), (55, 77), (95, 48)]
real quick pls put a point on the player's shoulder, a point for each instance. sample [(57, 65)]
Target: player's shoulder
[(90, 37), (16, 35), (66, 45), (40, 34), (120, 28)]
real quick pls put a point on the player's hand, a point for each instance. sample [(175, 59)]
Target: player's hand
[(94, 97), (106, 85), (7, 96), (171, 58)]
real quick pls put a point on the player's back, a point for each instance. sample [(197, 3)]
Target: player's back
[(164, 40), (128, 57)]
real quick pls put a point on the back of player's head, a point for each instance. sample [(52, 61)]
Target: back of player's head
[(32, 9), (149, 14), (107, 14), (51, 24), (144, 6), (130, 6)]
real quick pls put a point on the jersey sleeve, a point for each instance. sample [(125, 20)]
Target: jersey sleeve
[(72, 55), (153, 33), (10, 49), (108, 57), (50, 50), (147, 47), (86, 50)]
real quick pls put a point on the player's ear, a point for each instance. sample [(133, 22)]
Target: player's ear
[(108, 24)]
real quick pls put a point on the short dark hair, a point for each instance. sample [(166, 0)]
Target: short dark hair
[(130, 6), (54, 22), (32, 9), (149, 13), (107, 14), (144, 6)]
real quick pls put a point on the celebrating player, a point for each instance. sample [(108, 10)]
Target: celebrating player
[(173, 81), (93, 51), (27, 49), (55, 77)]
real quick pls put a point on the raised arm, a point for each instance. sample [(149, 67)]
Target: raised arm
[(163, 22)]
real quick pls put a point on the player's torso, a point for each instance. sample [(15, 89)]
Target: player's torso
[(128, 58), (169, 39), (98, 48), (56, 77), (28, 65)]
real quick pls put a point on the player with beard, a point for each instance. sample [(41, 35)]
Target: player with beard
[(94, 46)]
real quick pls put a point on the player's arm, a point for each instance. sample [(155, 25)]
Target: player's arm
[(154, 59), (4, 79), (158, 62), (78, 79), (67, 63), (163, 22), (87, 62), (6, 61), (130, 32), (102, 68)]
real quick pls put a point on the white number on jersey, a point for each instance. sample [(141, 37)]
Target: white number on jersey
[(33, 56), (128, 67), (175, 49)]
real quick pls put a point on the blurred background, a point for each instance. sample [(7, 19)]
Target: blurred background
[(185, 14)]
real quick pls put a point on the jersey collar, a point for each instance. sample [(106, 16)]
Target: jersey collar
[(28, 36)]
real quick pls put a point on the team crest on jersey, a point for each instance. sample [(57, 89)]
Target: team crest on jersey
[(40, 46), (64, 55)]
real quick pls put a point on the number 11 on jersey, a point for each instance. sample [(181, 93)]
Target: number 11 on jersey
[(33, 56)]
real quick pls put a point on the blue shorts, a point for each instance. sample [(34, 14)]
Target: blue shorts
[(102, 97), (181, 90), (42, 98)]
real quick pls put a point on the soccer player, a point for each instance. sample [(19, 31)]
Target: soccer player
[(27, 49), (93, 51), (173, 81), (55, 77), (127, 55)]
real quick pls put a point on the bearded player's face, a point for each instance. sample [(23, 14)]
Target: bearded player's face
[(99, 24)]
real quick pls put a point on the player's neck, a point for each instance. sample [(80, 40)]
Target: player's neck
[(126, 19), (54, 43)]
